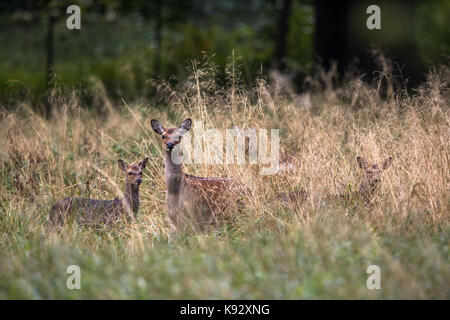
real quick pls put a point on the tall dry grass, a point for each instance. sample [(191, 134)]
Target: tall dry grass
[(319, 249)]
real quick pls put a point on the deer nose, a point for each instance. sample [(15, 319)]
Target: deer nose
[(138, 180), (170, 145)]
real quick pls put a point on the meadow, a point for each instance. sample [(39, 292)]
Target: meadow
[(317, 249)]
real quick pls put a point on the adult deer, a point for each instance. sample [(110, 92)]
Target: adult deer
[(194, 201), (93, 211)]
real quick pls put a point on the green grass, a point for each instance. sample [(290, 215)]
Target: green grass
[(306, 262)]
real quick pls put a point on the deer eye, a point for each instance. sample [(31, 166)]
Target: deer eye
[(163, 137), (130, 173)]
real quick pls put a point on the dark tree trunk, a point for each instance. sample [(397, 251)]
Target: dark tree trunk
[(341, 35), (49, 51), (283, 31), (158, 36), (331, 34)]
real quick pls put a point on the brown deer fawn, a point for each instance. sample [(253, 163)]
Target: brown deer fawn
[(287, 165), (297, 197), (371, 179), (92, 211), (193, 201), (292, 198)]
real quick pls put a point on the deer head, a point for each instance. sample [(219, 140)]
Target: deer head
[(372, 175), (171, 136), (133, 172)]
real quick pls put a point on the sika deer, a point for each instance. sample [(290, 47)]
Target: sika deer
[(371, 179), (294, 198), (288, 166), (92, 211), (193, 201)]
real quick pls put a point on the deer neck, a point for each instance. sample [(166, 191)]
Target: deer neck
[(173, 175), (131, 196)]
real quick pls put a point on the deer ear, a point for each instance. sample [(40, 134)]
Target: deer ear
[(122, 165), (361, 162), (387, 163), (157, 127), (185, 126), (143, 163)]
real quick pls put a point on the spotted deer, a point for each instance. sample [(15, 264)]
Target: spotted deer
[(293, 198), (93, 211), (192, 201), (371, 179), (286, 166)]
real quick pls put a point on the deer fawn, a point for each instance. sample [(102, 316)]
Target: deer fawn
[(193, 201), (103, 211), (292, 198), (371, 179)]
